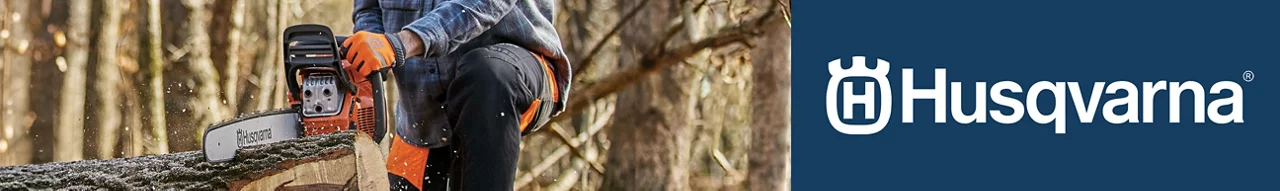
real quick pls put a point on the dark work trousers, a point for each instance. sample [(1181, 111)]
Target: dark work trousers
[(498, 93)]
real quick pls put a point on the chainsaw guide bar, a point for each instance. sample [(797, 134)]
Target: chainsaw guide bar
[(223, 139)]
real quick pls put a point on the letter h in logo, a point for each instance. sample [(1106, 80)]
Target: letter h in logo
[(868, 98)]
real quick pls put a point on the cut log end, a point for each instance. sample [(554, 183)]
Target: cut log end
[(339, 161)]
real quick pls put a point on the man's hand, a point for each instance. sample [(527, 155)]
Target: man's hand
[(372, 52)]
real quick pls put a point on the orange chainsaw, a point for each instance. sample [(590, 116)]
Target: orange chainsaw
[(323, 98)]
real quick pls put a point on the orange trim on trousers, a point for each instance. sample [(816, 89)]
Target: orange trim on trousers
[(407, 161)]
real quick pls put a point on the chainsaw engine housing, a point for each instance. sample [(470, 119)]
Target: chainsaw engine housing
[(322, 90)]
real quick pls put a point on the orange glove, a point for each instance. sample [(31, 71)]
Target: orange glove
[(373, 52)]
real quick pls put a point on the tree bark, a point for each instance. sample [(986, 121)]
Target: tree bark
[(207, 105), (16, 81), (153, 75), (70, 128), (107, 83), (770, 155), (338, 161), (648, 150)]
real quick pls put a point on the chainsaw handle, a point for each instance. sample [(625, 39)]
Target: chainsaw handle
[(379, 104), (341, 40), (343, 50)]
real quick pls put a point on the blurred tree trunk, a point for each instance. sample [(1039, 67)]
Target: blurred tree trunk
[(646, 151), (770, 155), (70, 124), (207, 105), (231, 12), (16, 81), (134, 112), (153, 92), (266, 66), (107, 83), (283, 13)]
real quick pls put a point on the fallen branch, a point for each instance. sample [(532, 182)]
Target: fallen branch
[(569, 145), (569, 176), (724, 163), (574, 143), (343, 160)]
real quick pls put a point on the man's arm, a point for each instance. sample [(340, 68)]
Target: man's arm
[(452, 23), (412, 44), (367, 16)]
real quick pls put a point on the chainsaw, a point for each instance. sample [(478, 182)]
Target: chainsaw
[(323, 98)]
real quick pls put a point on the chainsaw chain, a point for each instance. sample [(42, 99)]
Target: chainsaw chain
[(251, 115)]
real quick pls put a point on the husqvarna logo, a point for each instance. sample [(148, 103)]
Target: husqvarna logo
[(868, 98), (1137, 100)]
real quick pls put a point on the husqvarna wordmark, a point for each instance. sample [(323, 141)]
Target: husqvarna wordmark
[(1027, 106)]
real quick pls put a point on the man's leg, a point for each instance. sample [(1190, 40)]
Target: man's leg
[(493, 86)]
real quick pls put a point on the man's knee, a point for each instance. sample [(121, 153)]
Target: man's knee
[(487, 64)]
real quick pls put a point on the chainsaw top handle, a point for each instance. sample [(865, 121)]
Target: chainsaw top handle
[(311, 45)]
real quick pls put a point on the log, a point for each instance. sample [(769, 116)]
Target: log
[(344, 160)]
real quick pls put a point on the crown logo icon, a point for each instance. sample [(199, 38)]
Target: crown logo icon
[(868, 98)]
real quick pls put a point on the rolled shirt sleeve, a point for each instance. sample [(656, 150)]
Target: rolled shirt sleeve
[(455, 22)]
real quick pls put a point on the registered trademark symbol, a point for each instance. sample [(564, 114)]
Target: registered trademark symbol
[(1248, 76)]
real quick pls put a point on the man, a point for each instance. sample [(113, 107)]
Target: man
[(473, 75)]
